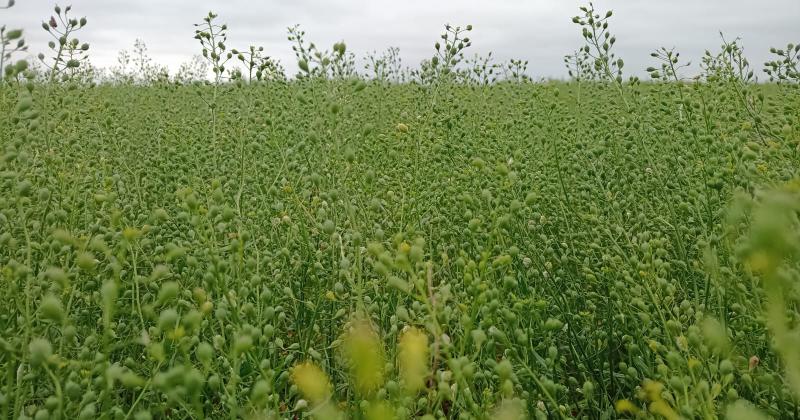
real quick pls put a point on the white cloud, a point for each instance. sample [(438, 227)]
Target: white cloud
[(536, 30)]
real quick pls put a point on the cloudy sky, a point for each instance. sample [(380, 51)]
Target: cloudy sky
[(540, 31)]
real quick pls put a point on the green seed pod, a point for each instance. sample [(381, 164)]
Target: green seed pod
[(86, 261), (40, 351), (204, 353), (260, 392), (507, 388), (20, 67), (13, 34), (109, 293), (73, 390), (50, 309), (88, 412), (726, 367), (243, 344), (588, 389), (57, 275), (553, 324), (479, 337), (167, 319), (214, 382), (504, 369), (168, 291), (143, 415), (328, 227), (732, 395), (552, 353), (24, 188)]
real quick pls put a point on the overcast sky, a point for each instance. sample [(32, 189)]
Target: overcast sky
[(540, 31)]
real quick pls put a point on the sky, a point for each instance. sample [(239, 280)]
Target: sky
[(540, 31)]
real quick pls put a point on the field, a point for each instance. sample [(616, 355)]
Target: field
[(361, 249), (453, 240)]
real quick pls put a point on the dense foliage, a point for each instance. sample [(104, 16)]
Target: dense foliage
[(555, 247), (461, 246)]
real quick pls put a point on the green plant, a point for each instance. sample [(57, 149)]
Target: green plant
[(448, 56), (380, 249), (212, 37), (670, 65), (259, 67), (599, 49), (599, 43), (138, 67), (69, 54), (785, 68), (730, 68), (385, 68), (515, 70), (192, 71), (11, 42), (480, 70), (579, 66), (315, 63)]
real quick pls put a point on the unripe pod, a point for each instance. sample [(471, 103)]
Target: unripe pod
[(204, 353), (51, 309), (167, 319), (504, 369), (303, 64), (40, 350)]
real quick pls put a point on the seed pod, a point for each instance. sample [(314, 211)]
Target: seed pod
[(13, 34), (504, 369), (243, 344), (260, 392), (88, 412), (204, 353), (479, 337), (40, 350), (86, 261), (50, 309), (553, 324), (143, 415), (167, 319), (167, 292), (328, 227), (726, 367)]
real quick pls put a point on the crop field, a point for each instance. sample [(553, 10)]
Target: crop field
[(356, 248)]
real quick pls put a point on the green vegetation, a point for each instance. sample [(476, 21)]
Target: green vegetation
[(465, 245)]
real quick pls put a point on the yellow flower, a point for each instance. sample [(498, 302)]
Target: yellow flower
[(625, 406), (364, 351), (413, 359), (312, 382)]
